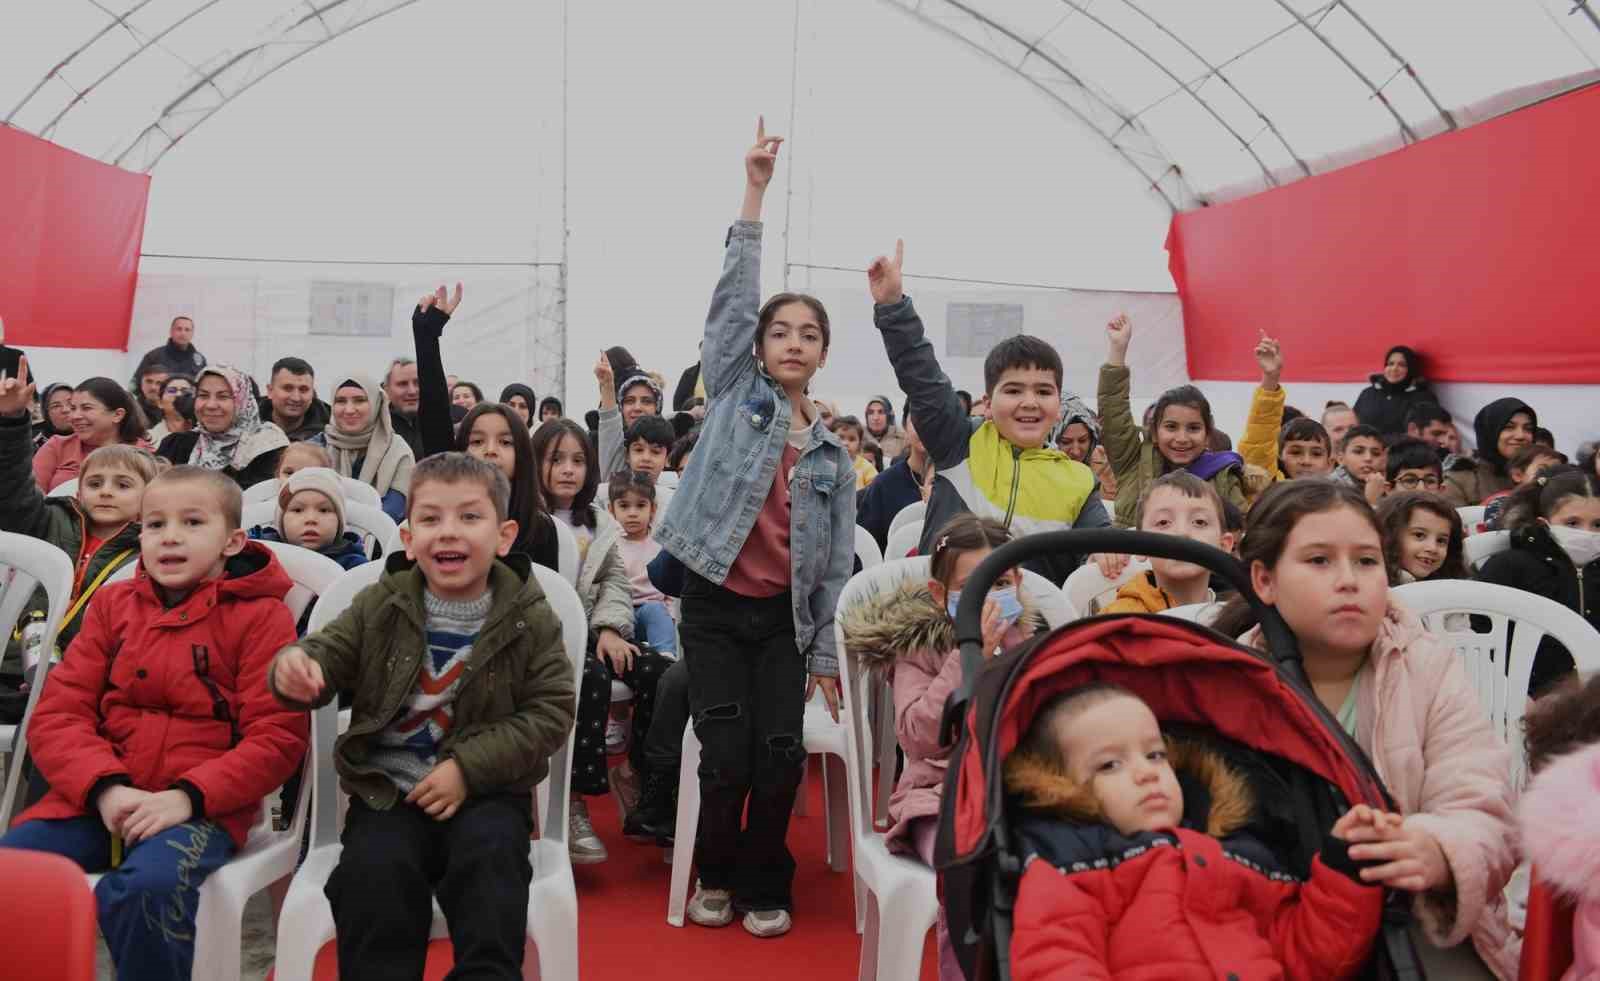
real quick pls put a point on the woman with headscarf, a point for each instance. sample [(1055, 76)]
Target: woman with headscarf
[(1504, 427), (360, 438), (521, 399), (879, 419), (55, 413), (1393, 392), (1078, 432), (231, 436)]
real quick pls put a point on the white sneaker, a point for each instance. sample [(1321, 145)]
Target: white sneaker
[(711, 907), (768, 923), (616, 736), (583, 845)]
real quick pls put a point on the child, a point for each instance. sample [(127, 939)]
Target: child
[(678, 457), (1180, 426), (1306, 450), (851, 433), (649, 441), (302, 455), (1560, 814), (311, 515), (156, 732), (1422, 537), (633, 504), (1526, 466), (549, 408), (1362, 463), (903, 484), (1178, 503), (639, 396), (1101, 788), (1555, 550), (1338, 419), (569, 478), (1412, 465), (1262, 428), (1315, 552), (763, 520), (462, 690), (1503, 427), (1003, 467), (909, 632)]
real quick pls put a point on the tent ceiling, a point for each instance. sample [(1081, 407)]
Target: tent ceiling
[(1204, 100)]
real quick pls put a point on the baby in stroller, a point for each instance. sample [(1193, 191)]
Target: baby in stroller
[(1139, 860)]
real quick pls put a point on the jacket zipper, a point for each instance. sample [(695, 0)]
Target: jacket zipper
[(1016, 480), (1583, 609)]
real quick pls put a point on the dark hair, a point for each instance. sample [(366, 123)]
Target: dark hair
[(1290, 414), (293, 365), (459, 468), (1185, 482), (230, 499), (549, 401), (1413, 454), (1218, 441), (1041, 743), (1184, 395), (1531, 454), (963, 533), (1232, 518), (477, 393), (653, 430), (1394, 514), (870, 447), (630, 482), (769, 311), (1020, 351), (1543, 497), (1587, 454), (113, 396), (1303, 430), (1359, 431), (1413, 361), (1423, 413), (525, 503), (547, 437), (680, 449), (1270, 523), (848, 422), (964, 396), (1565, 720), (1545, 436)]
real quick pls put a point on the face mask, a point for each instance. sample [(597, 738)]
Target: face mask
[(1581, 546), (1006, 598)]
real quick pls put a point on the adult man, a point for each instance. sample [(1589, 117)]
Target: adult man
[(404, 393), (291, 400), (179, 354)]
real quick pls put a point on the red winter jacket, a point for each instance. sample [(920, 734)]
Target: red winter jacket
[(127, 700), (1181, 905)]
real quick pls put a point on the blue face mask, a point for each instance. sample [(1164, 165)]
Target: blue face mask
[(1006, 598)]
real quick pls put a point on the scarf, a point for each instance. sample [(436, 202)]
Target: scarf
[(246, 438), (387, 461), (1208, 465)]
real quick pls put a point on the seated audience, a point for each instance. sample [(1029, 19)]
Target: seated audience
[(1394, 392), (1337, 418), (1422, 537), (291, 401), (1180, 504), (310, 514), (103, 414), (231, 436), (520, 398), (1503, 427), (364, 445), (177, 409), (905, 483)]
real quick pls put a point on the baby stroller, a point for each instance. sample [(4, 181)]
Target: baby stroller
[(1256, 709)]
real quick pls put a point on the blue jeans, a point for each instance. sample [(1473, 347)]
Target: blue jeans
[(148, 904), (655, 626)]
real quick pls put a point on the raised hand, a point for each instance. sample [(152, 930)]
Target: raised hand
[(1119, 332), (608, 381), (761, 158), (446, 302), (1270, 358), (883, 276), (16, 394)]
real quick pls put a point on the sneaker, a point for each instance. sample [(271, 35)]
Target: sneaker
[(616, 736), (583, 844), (625, 787), (711, 907), (655, 814), (768, 922)]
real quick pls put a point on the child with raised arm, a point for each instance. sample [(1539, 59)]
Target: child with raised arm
[(764, 522), (462, 691), (156, 732), (621, 407), (1003, 467)]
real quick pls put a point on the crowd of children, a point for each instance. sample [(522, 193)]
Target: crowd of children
[(709, 542)]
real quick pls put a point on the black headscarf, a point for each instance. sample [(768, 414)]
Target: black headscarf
[(1412, 374), (1492, 418)]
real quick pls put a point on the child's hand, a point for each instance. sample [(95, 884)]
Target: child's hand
[(1412, 859), (608, 381), (116, 803), (155, 814), (883, 276), (611, 647), (1371, 822), (297, 677), (1375, 487), (445, 302), (1118, 333), (760, 159), (1270, 358), (441, 792), (994, 629), (830, 692), (1112, 564), (16, 394)]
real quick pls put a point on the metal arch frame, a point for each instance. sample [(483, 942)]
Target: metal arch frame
[(1168, 168), (55, 70), (1406, 131)]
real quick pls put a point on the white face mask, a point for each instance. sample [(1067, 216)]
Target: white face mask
[(1581, 546)]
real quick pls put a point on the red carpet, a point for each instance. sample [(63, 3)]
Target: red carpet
[(624, 935)]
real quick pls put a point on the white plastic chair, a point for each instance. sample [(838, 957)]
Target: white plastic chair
[(1476, 549), (354, 490), (306, 922), (567, 560), (1201, 613), (1471, 518), (28, 564), (902, 540), (915, 511), (65, 489), (1499, 672), (1086, 588), (867, 548)]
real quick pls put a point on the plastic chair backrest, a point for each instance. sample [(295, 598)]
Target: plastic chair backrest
[(1476, 549), (30, 563), (68, 488), (1086, 588), (354, 490), (1471, 518), (312, 574), (867, 548), (1500, 672), (902, 540), (567, 560), (915, 511)]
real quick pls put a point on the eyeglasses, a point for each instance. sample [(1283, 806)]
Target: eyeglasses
[(1412, 482)]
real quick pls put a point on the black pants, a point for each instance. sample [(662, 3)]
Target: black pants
[(747, 693), (663, 744), (594, 708), (394, 862)]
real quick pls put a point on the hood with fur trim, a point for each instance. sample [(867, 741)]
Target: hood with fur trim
[(1560, 818), (892, 623)]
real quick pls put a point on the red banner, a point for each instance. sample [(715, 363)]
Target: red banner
[(1479, 248), (70, 232)]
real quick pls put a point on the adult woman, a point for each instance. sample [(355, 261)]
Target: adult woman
[(465, 394), (879, 419), (103, 413), (1394, 391), (173, 419), (362, 441), (521, 398), (1503, 427), (230, 436), (55, 407)]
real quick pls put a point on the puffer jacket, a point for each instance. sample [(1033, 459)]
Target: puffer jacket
[(1259, 444), (1206, 900), (603, 584), (1140, 595), (135, 698), (1420, 721), (1536, 564), (347, 551), (901, 631), (1133, 456), (516, 701), (1385, 406), (1560, 818)]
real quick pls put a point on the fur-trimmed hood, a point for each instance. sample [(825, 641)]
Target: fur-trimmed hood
[(1226, 806), (1560, 818), (896, 622)]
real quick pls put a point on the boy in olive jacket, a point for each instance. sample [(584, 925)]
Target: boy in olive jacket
[(462, 690)]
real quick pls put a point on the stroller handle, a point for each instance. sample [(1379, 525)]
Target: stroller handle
[(969, 613)]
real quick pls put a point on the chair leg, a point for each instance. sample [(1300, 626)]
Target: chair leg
[(688, 823), (868, 970), (837, 805), (218, 934)]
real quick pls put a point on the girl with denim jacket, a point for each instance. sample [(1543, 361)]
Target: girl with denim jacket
[(764, 521)]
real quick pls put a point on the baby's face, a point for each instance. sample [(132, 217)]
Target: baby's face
[(1115, 748)]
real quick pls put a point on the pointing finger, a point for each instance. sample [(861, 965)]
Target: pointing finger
[(761, 129), (899, 251)]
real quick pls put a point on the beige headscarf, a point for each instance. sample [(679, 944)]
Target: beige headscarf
[(388, 460)]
